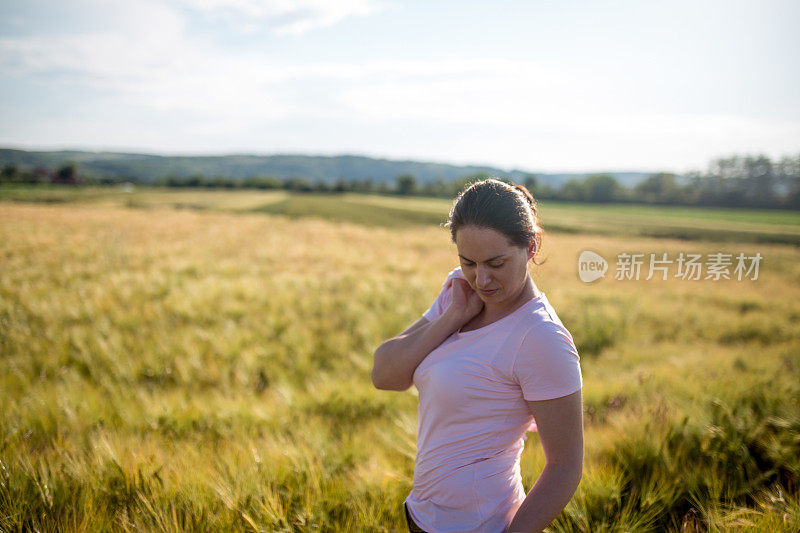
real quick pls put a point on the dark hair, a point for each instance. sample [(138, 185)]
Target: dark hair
[(493, 204)]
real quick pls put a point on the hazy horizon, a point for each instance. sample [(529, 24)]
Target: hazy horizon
[(342, 154)]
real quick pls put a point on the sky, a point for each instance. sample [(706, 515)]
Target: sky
[(543, 86)]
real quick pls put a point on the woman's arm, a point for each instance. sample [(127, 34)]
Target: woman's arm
[(397, 358), (560, 426)]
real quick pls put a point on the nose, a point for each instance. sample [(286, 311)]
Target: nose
[(483, 277)]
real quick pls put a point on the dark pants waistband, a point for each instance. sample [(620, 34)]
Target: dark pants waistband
[(412, 526)]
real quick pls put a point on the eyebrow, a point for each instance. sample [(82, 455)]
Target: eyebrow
[(501, 256)]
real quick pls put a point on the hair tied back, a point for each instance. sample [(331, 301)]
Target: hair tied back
[(508, 209), (526, 193)]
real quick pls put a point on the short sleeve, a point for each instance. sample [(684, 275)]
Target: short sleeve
[(547, 365), (445, 296)]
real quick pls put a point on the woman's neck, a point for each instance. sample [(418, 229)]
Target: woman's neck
[(527, 292)]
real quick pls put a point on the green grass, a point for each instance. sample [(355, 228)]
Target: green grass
[(687, 223), (142, 197), (737, 215), (351, 209), (673, 222), (174, 368)]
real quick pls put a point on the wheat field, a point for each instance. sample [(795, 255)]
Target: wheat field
[(174, 369)]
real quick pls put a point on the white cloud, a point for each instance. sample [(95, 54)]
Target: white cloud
[(130, 39), (166, 71), (144, 58), (285, 17)]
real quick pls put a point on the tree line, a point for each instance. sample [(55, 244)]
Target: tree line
[(737, 181)]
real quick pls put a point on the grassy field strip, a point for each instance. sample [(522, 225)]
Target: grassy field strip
[(430, 205), (766, 216), (235, 201), (632, 220), (343, 209), (148, 197), (214, 200), (586, 221), (762, 219), (190, 369), (587, 216), (235, 198)]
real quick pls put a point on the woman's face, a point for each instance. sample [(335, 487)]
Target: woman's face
[(495, 268)]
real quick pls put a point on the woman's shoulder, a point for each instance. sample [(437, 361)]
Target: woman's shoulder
[(444, 298), (547, 364), (455, 273), (540, 319)]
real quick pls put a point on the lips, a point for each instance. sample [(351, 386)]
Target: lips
[(487, 293)]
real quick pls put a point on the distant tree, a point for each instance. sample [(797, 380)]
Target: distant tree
[(9, 173), (760, 180), (342, 185), (437, 187), (221, 182), (479, 176), (262, 182), (595, 188), (543, 191), (458, 185), (297, 184), (787, 175), (173, 181), (575, 190), (40, 174), (740, 181), (661, 188), (66, 174), (530, 182), (406, 184), (363, 186), (108, 180), (195, 180), (601, 188)]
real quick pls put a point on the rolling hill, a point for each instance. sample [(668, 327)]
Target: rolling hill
[(146, 168)]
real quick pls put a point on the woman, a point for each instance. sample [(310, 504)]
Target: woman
[(488, 357)]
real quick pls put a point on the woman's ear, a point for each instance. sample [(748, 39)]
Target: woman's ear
[(531, 250)]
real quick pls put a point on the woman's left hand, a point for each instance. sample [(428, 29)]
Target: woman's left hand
[(466, 302)]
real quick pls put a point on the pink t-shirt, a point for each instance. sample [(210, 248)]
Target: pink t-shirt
[(473, 413)]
